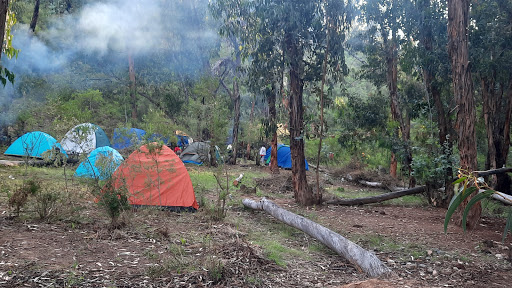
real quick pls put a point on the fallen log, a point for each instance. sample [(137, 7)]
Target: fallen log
[(365, 260), (378, 198), (10, 163), (500, 196), (493, 171)]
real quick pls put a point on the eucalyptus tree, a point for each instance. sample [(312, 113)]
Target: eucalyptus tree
[(427, 59), (491, 55), (297, 30), (231, 67), (458, 24), (385, 20)]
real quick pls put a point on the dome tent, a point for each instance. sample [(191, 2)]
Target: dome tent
[(100, 164), (83, 138), (33, 144), (284, 157), (196, 153), (155, 176), (127, 137)]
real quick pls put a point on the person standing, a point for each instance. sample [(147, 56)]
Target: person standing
[(263, 152)]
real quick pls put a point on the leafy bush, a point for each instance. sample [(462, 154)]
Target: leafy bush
[(54, 157), (46, 202), (19, 198), (113, 201)]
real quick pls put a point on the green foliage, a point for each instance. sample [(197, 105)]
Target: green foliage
[(6, 47), (113, 201), (208, 114), (156, 122), (20, 197), (215, 269), (46, 203), (430, 163), (54, 157), (469, 185)]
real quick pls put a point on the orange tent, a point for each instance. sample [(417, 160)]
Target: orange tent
[(154, 175)]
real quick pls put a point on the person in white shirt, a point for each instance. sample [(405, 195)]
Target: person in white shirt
[(263, 152)]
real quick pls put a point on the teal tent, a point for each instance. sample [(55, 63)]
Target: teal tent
[(100, 164), (33, 144)]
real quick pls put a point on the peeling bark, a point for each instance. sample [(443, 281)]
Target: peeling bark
[(458, 21)]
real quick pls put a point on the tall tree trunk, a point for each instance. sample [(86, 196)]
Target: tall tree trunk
[(437, 197), (443, 124), (324, 74), (133, 96), (496, 109), (458, 21), (4, 8), (35, 15), (302, 192), (235, 97), (403, 130), (406, 136), (392, 76), (271, 98)]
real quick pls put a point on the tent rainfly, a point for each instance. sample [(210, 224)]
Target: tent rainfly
[(83, 138), (33, 144), (127, 137), (100, 164), (196, 153), (155, 176)]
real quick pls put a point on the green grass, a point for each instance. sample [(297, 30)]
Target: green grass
[(277, 252), (494, 208), (205, 179)]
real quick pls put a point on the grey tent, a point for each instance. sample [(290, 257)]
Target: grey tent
[(196, 153)]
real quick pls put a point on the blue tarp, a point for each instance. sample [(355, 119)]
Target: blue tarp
[(284, 157), (33, 144), (158, 137), (126, 137), (100, 164), (182, 141)]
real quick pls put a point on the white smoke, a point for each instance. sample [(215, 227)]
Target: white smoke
[(126, 26), (160, 34)]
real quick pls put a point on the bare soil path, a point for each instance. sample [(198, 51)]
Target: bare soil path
[(165, 249)]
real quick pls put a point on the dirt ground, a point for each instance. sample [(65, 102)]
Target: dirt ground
[(166, 249)]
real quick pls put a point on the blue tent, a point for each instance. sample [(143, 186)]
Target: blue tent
[(126, 137), (158, 137), (182, 141), (33, 144), (284, 157), (101, 163)]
